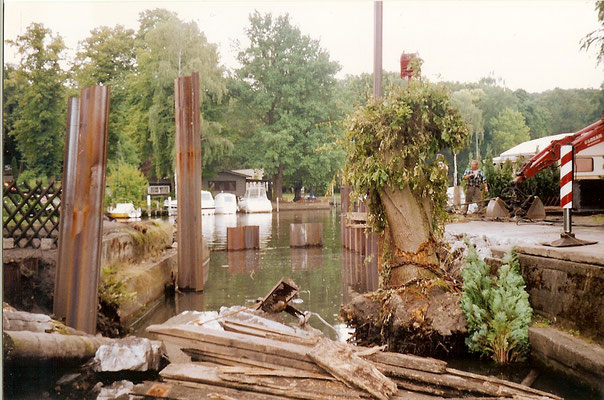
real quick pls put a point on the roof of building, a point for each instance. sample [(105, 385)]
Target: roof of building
[(527, 149)]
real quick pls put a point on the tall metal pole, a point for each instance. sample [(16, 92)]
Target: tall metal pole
[(377, 49), (188, 182), (79, 258)]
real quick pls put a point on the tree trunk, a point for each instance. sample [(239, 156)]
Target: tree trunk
[(278, 184), (409, 236), (24, 345), (297, 192)]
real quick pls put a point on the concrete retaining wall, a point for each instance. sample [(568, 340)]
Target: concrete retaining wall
[(567, 292)]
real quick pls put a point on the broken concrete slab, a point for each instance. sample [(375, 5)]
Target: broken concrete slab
[(569, 355), (117, 390), (130, 354)]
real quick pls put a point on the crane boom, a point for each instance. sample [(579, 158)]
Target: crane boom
[(581, 140)]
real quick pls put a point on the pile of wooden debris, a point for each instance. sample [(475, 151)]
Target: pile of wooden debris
[(247, 355)]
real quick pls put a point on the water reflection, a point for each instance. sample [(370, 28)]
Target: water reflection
[(243, 261), (263, 220), (359, 274), (306, 258), (326, 276)]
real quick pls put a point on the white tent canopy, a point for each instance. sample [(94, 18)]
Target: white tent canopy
[(527, 149)]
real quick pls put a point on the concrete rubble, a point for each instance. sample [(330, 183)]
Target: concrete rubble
[(130, 354)]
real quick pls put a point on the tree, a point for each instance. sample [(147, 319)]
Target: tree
[(170, 48), (107, 57), (497, 309), (39, 113), (392, 145), (288, 80), (509, 129), (596, 37), (125, 184), (466, 100)]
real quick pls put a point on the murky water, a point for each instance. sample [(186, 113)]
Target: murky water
[(240, 277), (327, 278)]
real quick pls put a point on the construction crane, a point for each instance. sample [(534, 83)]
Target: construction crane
[(588, 189)]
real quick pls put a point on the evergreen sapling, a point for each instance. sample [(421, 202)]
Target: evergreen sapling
[(496, 308)]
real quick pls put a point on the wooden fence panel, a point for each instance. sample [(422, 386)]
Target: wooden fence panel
[(31, 213)]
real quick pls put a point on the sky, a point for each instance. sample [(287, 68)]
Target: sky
[(531, 45)]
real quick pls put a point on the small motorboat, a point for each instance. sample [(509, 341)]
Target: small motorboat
[(255, 200), (226, 203), (124, 210), (207, 203)]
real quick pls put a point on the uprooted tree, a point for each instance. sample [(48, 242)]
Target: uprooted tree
[(393, 147)]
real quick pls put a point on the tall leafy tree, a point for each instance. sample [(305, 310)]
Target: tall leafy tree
[(288, 81), (170, 48), (509, 129), (466, 101), (107, 57), (39, 119)]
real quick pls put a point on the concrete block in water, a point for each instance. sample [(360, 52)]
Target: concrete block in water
[(306, 235), (130, 354)]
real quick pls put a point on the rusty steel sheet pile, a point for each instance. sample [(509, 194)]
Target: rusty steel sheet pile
[(188, 172), (76, 283)]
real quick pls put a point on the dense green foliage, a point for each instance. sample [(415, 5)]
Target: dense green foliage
[(287, 82), (394, 142), (125, 184), (496, 308), (37, 119), (509, 129), (546, 184), (282, 111)]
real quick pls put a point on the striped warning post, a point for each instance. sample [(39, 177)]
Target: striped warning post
[(566, 176)]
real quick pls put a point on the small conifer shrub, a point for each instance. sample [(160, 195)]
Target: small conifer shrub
[(497, 309)]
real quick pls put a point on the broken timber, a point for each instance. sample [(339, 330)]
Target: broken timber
[(252, 360)]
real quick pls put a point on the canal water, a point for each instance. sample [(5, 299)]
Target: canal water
[(327, 277), (241, 277)]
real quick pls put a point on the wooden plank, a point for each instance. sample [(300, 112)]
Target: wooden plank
[(466, 383), (341, 362), (253, 331), (233, 339), (192, 391), (498, 381), (409, 361), (197, 373), (191, 347)]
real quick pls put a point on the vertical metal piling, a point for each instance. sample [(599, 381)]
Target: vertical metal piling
[(188, 170), (79, 258)]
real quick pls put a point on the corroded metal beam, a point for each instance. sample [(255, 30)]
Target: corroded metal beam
[(77, 277), (188, 185)]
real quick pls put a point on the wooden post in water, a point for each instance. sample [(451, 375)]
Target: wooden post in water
[(188, 190), (81, 226)]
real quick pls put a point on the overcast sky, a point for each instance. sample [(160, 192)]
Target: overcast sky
[(533, 45)]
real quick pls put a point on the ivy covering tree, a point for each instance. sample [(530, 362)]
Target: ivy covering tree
[(497, 309), (392, 158), (288, 81), (37, 121)]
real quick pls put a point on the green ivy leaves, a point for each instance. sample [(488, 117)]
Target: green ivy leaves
[(394, 141)]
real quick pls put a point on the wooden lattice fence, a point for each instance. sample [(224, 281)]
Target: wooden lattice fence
[(31, 213)]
